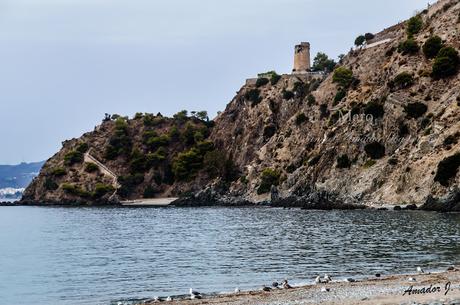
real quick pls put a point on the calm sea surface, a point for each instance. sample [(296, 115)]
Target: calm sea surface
[(100, 255)]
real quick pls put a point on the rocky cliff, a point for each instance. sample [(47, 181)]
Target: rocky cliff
[(383, 128)]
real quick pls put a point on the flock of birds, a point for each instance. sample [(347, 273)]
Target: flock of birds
[(284, 285)]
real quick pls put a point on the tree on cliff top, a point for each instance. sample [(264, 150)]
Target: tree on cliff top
[(322, 62)]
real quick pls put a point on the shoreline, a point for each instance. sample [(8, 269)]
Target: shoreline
[(387, 289)]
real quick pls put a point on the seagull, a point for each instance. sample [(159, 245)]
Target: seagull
[(350, 280), (237, 290), (411, 279), (420, 270), (275, 284), (168, 299), (318, 280), (194, 294), (327, 278), (286, 285)]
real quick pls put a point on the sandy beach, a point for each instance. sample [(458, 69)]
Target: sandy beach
[(444, 288)]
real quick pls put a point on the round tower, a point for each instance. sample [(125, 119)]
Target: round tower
[(302, 58)]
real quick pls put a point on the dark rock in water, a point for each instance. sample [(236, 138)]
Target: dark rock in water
[(449, 203), (382, 209), (308, 199), (451, 268), (397, 208), (411, 207)]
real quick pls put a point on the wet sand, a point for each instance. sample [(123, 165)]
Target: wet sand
[(383, 290)]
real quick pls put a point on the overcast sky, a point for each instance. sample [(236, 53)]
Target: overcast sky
[(64, 63)]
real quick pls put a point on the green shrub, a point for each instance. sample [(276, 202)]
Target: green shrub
[(72, 189), (375, 109), (253, 96), (149, 192), (129, 183), (82, 147), (403, 80), (447, 169), (369, 163), (138, 116), (274, 79), (375, 150), (50, 185), (91, 167), (415, 110), (102, 189), (58, 172), (262, 81), (446, 63), (187, 164), (359, 41), (69, 188), (119, 142), (138, 162), (73, 157), (414, 25), (217, 164), (198, 136), (300, 119), (287, 95), (155, 159), (154, 143), (181, 116), (369, 36), (174, 133), (410, 46), (340, 95), (343, 77), (432, 46), (322, 62), (311, 100), (269, 177), (343, 162)]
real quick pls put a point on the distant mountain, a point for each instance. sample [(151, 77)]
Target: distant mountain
[(18, 176)]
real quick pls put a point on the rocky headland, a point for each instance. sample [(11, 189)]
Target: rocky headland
[(381, 129)]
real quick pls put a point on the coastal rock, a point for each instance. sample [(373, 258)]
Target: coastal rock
[(290, 142), (450, 202)]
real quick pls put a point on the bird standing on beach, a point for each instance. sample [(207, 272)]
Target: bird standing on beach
[(420, 270), (327, 278), (194, 294), (237, 290), (318, 280), (168, 299), (286, 285)]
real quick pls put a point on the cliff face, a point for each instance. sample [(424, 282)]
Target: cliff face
[(382, 129)]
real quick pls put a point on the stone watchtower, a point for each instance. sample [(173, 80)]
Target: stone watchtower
[(301, 58)]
